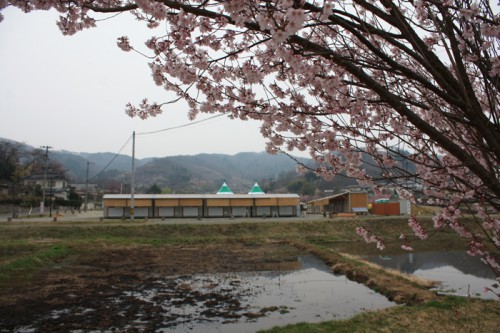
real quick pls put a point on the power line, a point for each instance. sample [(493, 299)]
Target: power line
[(154, 132), (181, 126), (111, 161)]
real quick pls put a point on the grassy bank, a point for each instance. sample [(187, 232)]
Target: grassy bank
[(18, 269), (450, 314), (337, 233)]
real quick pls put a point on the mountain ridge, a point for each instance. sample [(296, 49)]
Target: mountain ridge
[(200, 173)]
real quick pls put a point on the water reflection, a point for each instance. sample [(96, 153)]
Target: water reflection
[(458, 272), (311, 294)]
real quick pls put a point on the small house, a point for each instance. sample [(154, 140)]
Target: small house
[(345, 202)]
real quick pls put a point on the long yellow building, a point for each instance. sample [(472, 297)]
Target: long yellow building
[(201, 205)]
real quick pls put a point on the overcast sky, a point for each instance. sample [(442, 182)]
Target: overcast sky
[(70, 92)]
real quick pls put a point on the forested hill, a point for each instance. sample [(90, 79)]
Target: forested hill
[(203, 173)]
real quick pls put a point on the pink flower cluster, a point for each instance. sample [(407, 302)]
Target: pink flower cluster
[(144, 110), (417, 228), (370, 237), (124, 43)]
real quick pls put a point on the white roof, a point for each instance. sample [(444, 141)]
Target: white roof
[(199, 196)]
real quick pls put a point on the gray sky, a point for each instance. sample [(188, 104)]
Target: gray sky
[(70, 92)]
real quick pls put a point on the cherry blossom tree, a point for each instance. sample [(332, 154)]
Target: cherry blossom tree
[(405, 81)]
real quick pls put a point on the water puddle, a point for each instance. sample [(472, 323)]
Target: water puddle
[(247, 302), (458, 272)]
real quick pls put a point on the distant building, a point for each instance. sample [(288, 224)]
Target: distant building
[(222, 204), (56, 185), (91, 190), (345, 202), (81, 189)]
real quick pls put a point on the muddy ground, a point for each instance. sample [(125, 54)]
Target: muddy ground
[(140, 288)]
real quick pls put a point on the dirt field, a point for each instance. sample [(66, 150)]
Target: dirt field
[(94, 290)]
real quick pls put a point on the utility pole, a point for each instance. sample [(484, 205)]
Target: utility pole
[(42, 204), (87, 187), (132, 179), (123, 183), (51, 199)]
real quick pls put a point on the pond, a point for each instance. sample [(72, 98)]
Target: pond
[(458, 272), (247, 302)]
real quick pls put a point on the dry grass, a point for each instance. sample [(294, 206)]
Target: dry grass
[(451, 314), (425, 210), (415, 279)]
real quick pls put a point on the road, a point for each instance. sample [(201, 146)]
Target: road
[(97, 216)]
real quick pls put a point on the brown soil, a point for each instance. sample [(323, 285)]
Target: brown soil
[(98, 290)]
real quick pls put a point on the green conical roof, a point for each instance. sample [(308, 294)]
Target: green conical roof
[(256, 190), (224, 189)]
